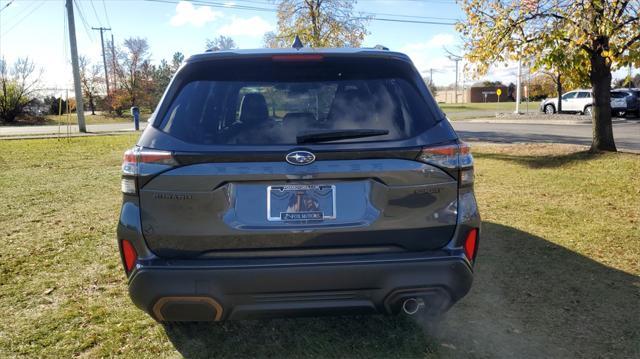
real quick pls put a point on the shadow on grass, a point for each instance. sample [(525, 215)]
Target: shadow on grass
[(541, 161), (531, 298)]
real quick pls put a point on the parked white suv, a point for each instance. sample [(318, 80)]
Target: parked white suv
[(574, 101)]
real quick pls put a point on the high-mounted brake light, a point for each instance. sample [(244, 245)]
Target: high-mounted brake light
[(129, 254), (471, 243), (297, 57), (140, 161)]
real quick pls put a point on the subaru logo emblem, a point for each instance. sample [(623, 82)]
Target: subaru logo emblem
[(300, 158)]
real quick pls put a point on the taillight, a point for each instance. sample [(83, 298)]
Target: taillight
[(470, 244), (139, 161), (129, 255), (455, 157)]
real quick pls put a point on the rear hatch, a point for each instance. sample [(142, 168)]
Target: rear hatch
[(296, 154)]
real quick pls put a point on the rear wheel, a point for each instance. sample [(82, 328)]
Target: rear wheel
[(549, 109), (588, 110)]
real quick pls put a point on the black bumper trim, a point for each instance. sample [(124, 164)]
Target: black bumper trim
[(302, 288)]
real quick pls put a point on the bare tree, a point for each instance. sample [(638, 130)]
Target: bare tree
[(90, 80), (221, 43), (133, 58), (18, 86)]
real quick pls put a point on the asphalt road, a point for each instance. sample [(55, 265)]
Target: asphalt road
[(626, 134), (6, 131)]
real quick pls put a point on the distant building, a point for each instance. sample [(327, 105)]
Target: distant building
[(481, 93), (449, 96)]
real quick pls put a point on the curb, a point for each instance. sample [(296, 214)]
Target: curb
[(535, 122)]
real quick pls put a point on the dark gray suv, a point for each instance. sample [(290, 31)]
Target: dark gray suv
[(297, 182)]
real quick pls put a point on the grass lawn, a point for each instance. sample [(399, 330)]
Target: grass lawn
[(557, 276), (464, 111), (98, 118)]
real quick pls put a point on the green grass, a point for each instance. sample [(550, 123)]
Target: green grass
[(557, 274), (93, 119), (465, 111)]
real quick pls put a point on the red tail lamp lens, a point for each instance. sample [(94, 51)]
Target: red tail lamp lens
[(130, 255), (471, 243)]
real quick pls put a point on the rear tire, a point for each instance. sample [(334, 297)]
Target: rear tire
[(588, 111), (549, 109)]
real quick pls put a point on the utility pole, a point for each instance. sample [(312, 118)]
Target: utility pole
[(431, 75), (76, 68), (104, 58), (456, 58), (518, 85), (113, 58)]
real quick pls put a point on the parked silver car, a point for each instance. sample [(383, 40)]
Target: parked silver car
[(581, 101)]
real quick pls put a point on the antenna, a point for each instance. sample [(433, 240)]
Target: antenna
[(297, 43)]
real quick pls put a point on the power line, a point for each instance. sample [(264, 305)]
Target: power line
[(106, 14), (33, 9), (95, 13), (6, 6), (365, 12), (84, 21), (413, 21), (256, 8)]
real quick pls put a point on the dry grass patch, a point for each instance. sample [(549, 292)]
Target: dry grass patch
[(557, 273)]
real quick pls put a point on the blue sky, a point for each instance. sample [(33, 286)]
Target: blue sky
[(36, 28)]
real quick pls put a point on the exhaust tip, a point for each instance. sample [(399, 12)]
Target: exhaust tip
[(187, 309), (412, 306)]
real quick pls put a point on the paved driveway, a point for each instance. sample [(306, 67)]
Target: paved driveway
[(627, 133)]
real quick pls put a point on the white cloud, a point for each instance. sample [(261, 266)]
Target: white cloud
[(197, 16), (253, 27)]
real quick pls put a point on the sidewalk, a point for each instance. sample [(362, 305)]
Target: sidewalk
[(21, 132), (543, 121)]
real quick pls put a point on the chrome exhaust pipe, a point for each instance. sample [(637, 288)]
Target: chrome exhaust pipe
[(412, 306)]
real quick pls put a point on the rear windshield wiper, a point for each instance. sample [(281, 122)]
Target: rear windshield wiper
[(334, 135)]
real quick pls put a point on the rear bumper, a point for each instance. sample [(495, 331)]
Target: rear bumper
[(191, 290)]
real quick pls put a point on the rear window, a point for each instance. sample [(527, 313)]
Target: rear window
[(259, 101), (619, 94)]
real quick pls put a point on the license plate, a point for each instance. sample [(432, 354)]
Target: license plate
[(290, 203)]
